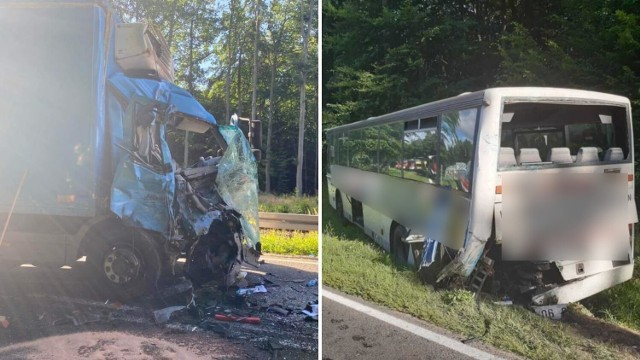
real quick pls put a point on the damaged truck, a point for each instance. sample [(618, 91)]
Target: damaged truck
[(94, 155), (526, 192)]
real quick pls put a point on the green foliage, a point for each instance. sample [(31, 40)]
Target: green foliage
[(383, 56), (353, 264), (288, 204), (289, 243), (213, 45)]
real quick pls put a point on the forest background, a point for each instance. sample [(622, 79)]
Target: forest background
[(255, 58)]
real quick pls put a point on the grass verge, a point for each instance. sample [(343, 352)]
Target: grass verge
[(288, 204), (289, 242), (353, 264)]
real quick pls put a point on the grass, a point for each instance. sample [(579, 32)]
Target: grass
[(621, 304), (288, 204), (353, 264), (289, 243)]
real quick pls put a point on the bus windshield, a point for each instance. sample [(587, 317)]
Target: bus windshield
[(553, 135)]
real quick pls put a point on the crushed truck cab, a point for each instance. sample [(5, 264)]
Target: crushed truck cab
[(90, 124)]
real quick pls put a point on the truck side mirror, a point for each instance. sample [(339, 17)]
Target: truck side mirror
[(257, 153), (256, 132)]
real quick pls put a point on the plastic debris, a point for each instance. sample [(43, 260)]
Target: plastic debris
[(311, 311), (4, 322), (505, 301), (254, 290), (163, 315), (313, 282), (232, 318)]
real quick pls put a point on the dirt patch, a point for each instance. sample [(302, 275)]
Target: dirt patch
[(100, 345), (593, 328)]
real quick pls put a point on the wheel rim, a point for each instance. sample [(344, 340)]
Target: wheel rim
[(122, 265)]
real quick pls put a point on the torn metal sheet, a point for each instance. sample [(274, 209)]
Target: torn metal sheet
[(144, 184), (466, 260), (237, 181)]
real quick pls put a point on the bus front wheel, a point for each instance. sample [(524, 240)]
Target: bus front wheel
[(399, 248)]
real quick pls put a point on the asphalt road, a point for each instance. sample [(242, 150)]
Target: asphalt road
[(35, 300), (348, 333)]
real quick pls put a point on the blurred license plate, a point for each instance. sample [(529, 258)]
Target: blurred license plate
[(554, 312)]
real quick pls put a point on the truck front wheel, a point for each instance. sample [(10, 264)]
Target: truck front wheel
[(125, 268)]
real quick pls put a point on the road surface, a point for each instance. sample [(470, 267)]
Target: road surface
[(355, 329), (42, 306)]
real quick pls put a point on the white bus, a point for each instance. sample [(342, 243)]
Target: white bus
[(536, 182)]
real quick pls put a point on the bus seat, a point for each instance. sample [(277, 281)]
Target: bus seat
[(614, 154), (529, 155), (587, 154), (506, 157), (560, 155)]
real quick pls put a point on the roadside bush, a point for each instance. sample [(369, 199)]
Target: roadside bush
[(288, 204)]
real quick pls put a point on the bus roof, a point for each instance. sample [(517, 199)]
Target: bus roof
[(477, 98)]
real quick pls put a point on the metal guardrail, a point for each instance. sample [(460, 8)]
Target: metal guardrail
[(281, 221)]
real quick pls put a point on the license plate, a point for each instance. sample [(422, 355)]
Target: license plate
[(554, 312)]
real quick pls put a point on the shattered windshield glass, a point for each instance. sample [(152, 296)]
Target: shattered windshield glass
[(237, 180)]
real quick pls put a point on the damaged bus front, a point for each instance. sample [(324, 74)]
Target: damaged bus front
[(91, 129), (520, 191)]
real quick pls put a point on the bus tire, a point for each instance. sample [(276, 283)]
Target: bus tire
[(399, 248), (340, 208), (124, 267)]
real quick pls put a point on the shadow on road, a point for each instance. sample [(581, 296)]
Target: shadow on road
[(42, 303)]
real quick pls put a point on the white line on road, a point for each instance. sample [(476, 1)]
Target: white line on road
[(407, 326)]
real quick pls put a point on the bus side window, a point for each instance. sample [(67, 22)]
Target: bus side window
[(457, 132), (390, 149), (419, 151)]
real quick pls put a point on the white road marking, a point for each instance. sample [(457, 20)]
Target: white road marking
[(409, 327)]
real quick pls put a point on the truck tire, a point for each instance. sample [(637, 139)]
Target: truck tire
[(124, 267)]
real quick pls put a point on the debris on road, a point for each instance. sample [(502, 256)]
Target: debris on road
[(80, 317), (313, 282), (232, 318), (311, 311), (249, 291), (278, 309), (163, 315), (4, 322)]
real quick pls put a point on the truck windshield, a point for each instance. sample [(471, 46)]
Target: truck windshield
[(202, 148), (554, 135)]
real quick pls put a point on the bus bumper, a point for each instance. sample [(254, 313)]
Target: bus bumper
[(585, 287)]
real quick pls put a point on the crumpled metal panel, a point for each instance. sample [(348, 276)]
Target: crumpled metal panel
[(142, 197), (237, 181), (195, 221), (176, 96)]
